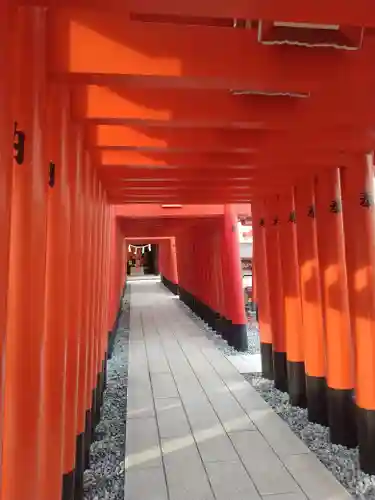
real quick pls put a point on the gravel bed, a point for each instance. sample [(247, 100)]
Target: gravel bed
[(341, 461), (104, 480)]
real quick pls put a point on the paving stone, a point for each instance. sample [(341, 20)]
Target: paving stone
[(266, 470), (230, 481), (192, 411), (146, 484)]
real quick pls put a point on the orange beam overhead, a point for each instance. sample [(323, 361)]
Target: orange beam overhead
[(278, 178), (221, 196), (189, 185), (214, 107), (154, 211), (346, 12), (128, 49), (168, 174), (144, 138), (193, 160), (117, 160), (361, 13), (195, 194), (188, 177), (112, 136)]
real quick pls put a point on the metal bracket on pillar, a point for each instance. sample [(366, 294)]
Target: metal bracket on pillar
[(292, 217), (51, 173), (311, 212), (335, 206), (19, 144)]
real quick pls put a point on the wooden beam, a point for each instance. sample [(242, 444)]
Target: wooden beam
[(90, 42), (143, 139), (116, 104), (117, 160), (344, 12)]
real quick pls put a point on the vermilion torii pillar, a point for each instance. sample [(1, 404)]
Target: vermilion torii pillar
[(262, 288), (359, 224), (55, 355), (311, 302), (22, 432), (292, 299), (339, 344), (168, 263), (275, 285), (7, 17), (236, 324), (77, 332)]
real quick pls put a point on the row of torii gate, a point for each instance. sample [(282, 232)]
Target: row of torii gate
[(202, 104)]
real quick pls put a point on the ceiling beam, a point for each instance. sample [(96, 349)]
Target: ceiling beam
[(126, 50), (116, 104)]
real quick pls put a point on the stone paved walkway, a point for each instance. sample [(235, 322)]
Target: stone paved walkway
[(196, 430)]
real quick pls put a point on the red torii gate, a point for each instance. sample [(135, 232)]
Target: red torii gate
[(73, 74)]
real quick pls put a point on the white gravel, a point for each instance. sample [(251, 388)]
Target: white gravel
[(341, 461), (104, 480)]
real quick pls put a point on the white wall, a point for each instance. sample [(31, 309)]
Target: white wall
[(246, 250)]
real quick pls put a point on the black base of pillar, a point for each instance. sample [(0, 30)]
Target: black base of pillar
[(85, 439), (210, 317), (222, 327), (297, 383), (68, 486), (236, 336), (80, 466), (266, 355), (317, 408), (88, 437), (99, 395), (342, 417), (198, 308), (103, 379), (110, 344), (366, 439), (94, 412), (280, 371), (172, 287), (217, 321)]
